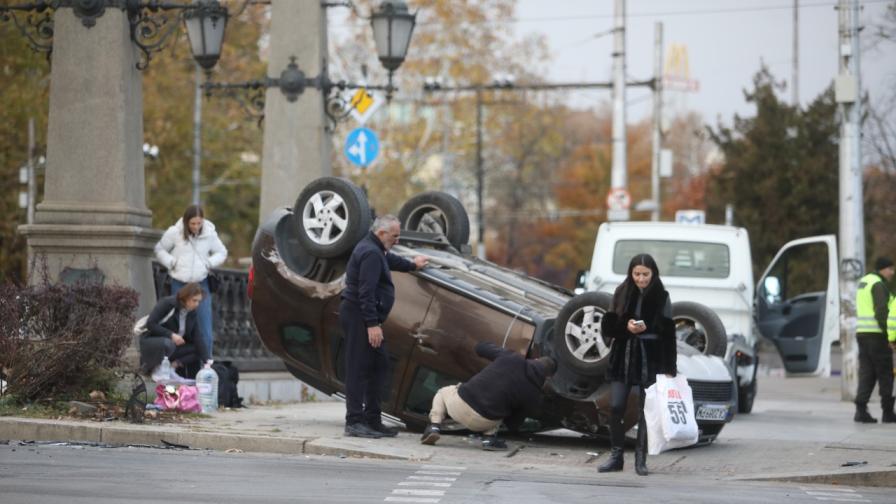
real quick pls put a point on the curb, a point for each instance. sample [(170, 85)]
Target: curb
[(873, 478), (111, 434)]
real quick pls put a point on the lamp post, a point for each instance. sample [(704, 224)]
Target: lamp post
[(149, 31), (392, 26)]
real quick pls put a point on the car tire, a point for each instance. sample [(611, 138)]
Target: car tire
[(699, 326), (745, 396), (332, 216), (577, 341), (437, 212)]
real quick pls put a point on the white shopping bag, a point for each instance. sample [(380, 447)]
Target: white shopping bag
[(669, 414)]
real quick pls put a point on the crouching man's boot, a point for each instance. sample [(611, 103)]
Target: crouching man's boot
[(614, 463), (888, 415), (862, 415), (431, 434)]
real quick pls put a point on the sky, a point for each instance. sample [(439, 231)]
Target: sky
[(726, 41)]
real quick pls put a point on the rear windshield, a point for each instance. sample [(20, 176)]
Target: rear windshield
[(676, 258)]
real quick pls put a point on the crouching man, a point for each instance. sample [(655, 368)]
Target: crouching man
[(509, 389)]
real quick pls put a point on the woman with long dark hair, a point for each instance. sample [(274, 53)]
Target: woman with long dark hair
[(642, 331), (190, 249)]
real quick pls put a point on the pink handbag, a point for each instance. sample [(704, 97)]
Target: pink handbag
[(184, 398)]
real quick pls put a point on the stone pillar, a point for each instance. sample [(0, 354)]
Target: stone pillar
[(296, 143), (94, 209)]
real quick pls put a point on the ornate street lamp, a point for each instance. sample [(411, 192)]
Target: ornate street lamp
[(205, 20), (205, 29), (392, 27)]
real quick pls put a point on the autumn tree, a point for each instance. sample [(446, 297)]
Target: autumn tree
[(23, 96), (780, 169)]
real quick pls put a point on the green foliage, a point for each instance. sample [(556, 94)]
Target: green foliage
[(780, 170), (24, 95)]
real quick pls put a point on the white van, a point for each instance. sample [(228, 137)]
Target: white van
[(795, 305)]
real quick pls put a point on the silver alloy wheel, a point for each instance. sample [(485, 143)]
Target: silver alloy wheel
[(583, 336), (325, 217)]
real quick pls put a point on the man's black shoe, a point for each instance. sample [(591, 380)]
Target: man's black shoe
[(361, 430), (863, 416), (492, 443), (383, 430), (431, 434)]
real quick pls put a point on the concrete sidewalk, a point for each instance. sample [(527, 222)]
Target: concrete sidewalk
[(799, 430)]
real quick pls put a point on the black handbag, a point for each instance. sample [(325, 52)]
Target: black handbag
[(213, 282)]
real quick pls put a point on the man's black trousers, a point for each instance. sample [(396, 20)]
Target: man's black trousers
[(365, 368), (875, 365)]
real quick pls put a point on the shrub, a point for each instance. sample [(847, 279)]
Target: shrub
[(59, 341)]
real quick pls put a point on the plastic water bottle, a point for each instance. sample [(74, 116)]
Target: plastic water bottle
[(207, 385), (163, 373)]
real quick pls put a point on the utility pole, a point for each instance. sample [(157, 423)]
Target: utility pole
[(619, 175), (32, 183), (657, 120), (847, 89), (480, 180), (197, 133), (795, 85)]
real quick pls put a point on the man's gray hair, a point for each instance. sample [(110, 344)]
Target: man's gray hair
[(384, 222)]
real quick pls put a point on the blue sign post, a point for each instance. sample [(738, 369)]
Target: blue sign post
[(362, 146)]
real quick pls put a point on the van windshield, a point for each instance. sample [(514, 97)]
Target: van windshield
[(676, 258)]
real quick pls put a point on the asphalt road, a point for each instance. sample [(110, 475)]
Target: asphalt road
[(48, 474)]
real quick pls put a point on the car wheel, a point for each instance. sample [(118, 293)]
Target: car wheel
[(745, 396), (332, 215), (437, 212), (700, 327), (578, 342)]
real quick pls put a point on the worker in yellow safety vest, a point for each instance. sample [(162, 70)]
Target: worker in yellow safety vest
[(872, 335)]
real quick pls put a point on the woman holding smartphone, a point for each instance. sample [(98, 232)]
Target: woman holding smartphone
[(642, 331)]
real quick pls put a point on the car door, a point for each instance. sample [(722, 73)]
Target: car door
[(443, 353), (797, 304)]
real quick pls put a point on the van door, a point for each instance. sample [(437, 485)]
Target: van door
[(797, 304)]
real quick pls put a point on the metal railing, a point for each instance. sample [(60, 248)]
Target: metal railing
[(236, 338)]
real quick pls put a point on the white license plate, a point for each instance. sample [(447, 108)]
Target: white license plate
[(712, 412)]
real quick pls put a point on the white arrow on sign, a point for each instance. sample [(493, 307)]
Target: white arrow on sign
[(359, 149)]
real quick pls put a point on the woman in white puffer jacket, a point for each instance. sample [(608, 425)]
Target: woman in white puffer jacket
[(189, 249)]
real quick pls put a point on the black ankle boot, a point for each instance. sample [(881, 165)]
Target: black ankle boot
[(641, 459), (614, 463), (888, 415), (862, 415)]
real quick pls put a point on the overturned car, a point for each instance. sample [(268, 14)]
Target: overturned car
[(299, 257)]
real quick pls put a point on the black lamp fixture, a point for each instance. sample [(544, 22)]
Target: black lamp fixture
[(392, 25), (205, 21)]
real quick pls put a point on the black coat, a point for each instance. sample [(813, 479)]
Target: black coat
[(629, 353), (510, 388), (368, 281), (152, 348)]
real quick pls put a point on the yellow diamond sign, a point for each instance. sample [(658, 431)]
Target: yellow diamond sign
[(363, 104), (362, 101)]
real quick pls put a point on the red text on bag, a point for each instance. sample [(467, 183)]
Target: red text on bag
[(673, 394)]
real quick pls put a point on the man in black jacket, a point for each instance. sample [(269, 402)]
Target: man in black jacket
[(366, 302), (509, 389)]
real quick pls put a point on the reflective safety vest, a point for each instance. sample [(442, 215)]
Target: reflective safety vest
[(865, 304), (891, 320)]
